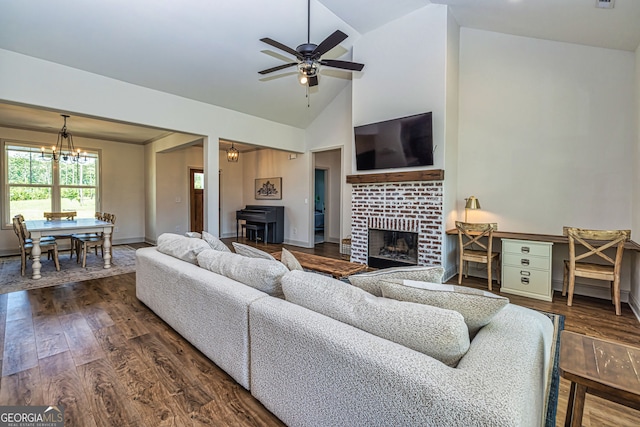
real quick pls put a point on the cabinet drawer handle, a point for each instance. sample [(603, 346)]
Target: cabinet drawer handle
[(524, 261), (525, 273), (524, 249), (524, 280)]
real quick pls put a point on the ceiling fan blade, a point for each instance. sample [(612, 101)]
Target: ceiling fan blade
[(313, 81), (278, 68), (346, 65), (329, 43), (280, 46)]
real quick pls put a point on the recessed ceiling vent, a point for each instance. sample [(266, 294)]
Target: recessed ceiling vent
[(605, 4)]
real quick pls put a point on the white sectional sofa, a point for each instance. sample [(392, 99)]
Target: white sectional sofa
[(312, 370)]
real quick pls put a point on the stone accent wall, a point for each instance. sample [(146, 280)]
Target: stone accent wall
[(404, 206)]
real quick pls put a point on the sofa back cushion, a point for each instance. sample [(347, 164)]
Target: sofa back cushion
[(439, 333), (259, 273), (251, 252), (476, 306), (214, 242), (370, 281), (181, 247), (288, 259)]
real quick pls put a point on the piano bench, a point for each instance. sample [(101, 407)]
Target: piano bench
[(250, 230)]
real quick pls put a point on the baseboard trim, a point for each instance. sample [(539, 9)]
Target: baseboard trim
[(449, 273), (298, 243), (635, 306), (593, 291)]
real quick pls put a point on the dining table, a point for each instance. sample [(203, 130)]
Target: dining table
[(39, 228)]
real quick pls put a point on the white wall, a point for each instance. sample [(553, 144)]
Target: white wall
[(296, 189), (450, 147), (404, 72), (231, 191), (332, 129), (172, 179), (546, 136), (634, 294), (121, 165), (31, 81)]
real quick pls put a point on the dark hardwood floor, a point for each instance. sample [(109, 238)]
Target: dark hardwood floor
[(95, 349)]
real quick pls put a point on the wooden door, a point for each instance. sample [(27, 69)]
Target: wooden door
[(196, 200)]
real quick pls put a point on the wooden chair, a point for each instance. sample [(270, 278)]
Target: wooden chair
[(472, 249), (26, 246), (69, 215), (593, 243), (66, 215), (86, 242), (27, 234), (74, 238)]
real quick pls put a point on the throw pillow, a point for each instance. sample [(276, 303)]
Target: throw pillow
[(181, 247), (290, 261), (259, 273), (214, 242), (476, 306), (439, 333), (250, 251), (369, 281)]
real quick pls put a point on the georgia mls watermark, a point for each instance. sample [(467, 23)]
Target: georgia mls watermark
[(31, 416)]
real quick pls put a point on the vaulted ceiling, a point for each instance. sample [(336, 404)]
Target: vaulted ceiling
[(211, 51)]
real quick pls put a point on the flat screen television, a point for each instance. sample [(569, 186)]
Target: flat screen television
[(397, 143)]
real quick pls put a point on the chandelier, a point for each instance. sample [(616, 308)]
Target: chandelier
[(233, 154), (59, 152)]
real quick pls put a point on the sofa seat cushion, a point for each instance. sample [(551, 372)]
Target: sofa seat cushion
[(369, 281), (251, 252), (439, 333), (181, 247), (259, 273), (477, 307)]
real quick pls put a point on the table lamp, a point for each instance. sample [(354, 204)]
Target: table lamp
[(472, 203)]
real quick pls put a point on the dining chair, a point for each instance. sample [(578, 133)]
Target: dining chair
[(592, 244), (75, 244), (88, 241), (27, 234), (69, 215), (64, 215), (473, 249), (26, 245)]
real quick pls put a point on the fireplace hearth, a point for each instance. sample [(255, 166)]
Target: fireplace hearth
[(390, 248)]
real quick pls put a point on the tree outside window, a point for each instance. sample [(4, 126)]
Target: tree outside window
[(36, 185)]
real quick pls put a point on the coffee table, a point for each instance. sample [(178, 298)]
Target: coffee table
[(336, 267), (603, 368)]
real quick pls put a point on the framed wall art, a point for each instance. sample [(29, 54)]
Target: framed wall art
[(268, 189)]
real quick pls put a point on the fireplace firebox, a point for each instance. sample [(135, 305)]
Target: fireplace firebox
[(389, 248)]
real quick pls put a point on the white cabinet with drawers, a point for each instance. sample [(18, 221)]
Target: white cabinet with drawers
[(526, 268)]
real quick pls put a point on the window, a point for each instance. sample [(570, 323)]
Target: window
[(198, 181), (35, 185)]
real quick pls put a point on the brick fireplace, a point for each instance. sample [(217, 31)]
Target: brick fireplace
[(413, 207)]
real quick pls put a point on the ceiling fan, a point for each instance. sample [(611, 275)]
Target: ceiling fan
[(309, 55)]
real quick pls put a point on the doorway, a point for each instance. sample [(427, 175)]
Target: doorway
[(319, 197), (326, 209), (196, 200)]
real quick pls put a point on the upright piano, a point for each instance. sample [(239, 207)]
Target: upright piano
[(272, 217)]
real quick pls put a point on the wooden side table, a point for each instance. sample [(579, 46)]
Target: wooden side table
[(603, 368), (336, 267)]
